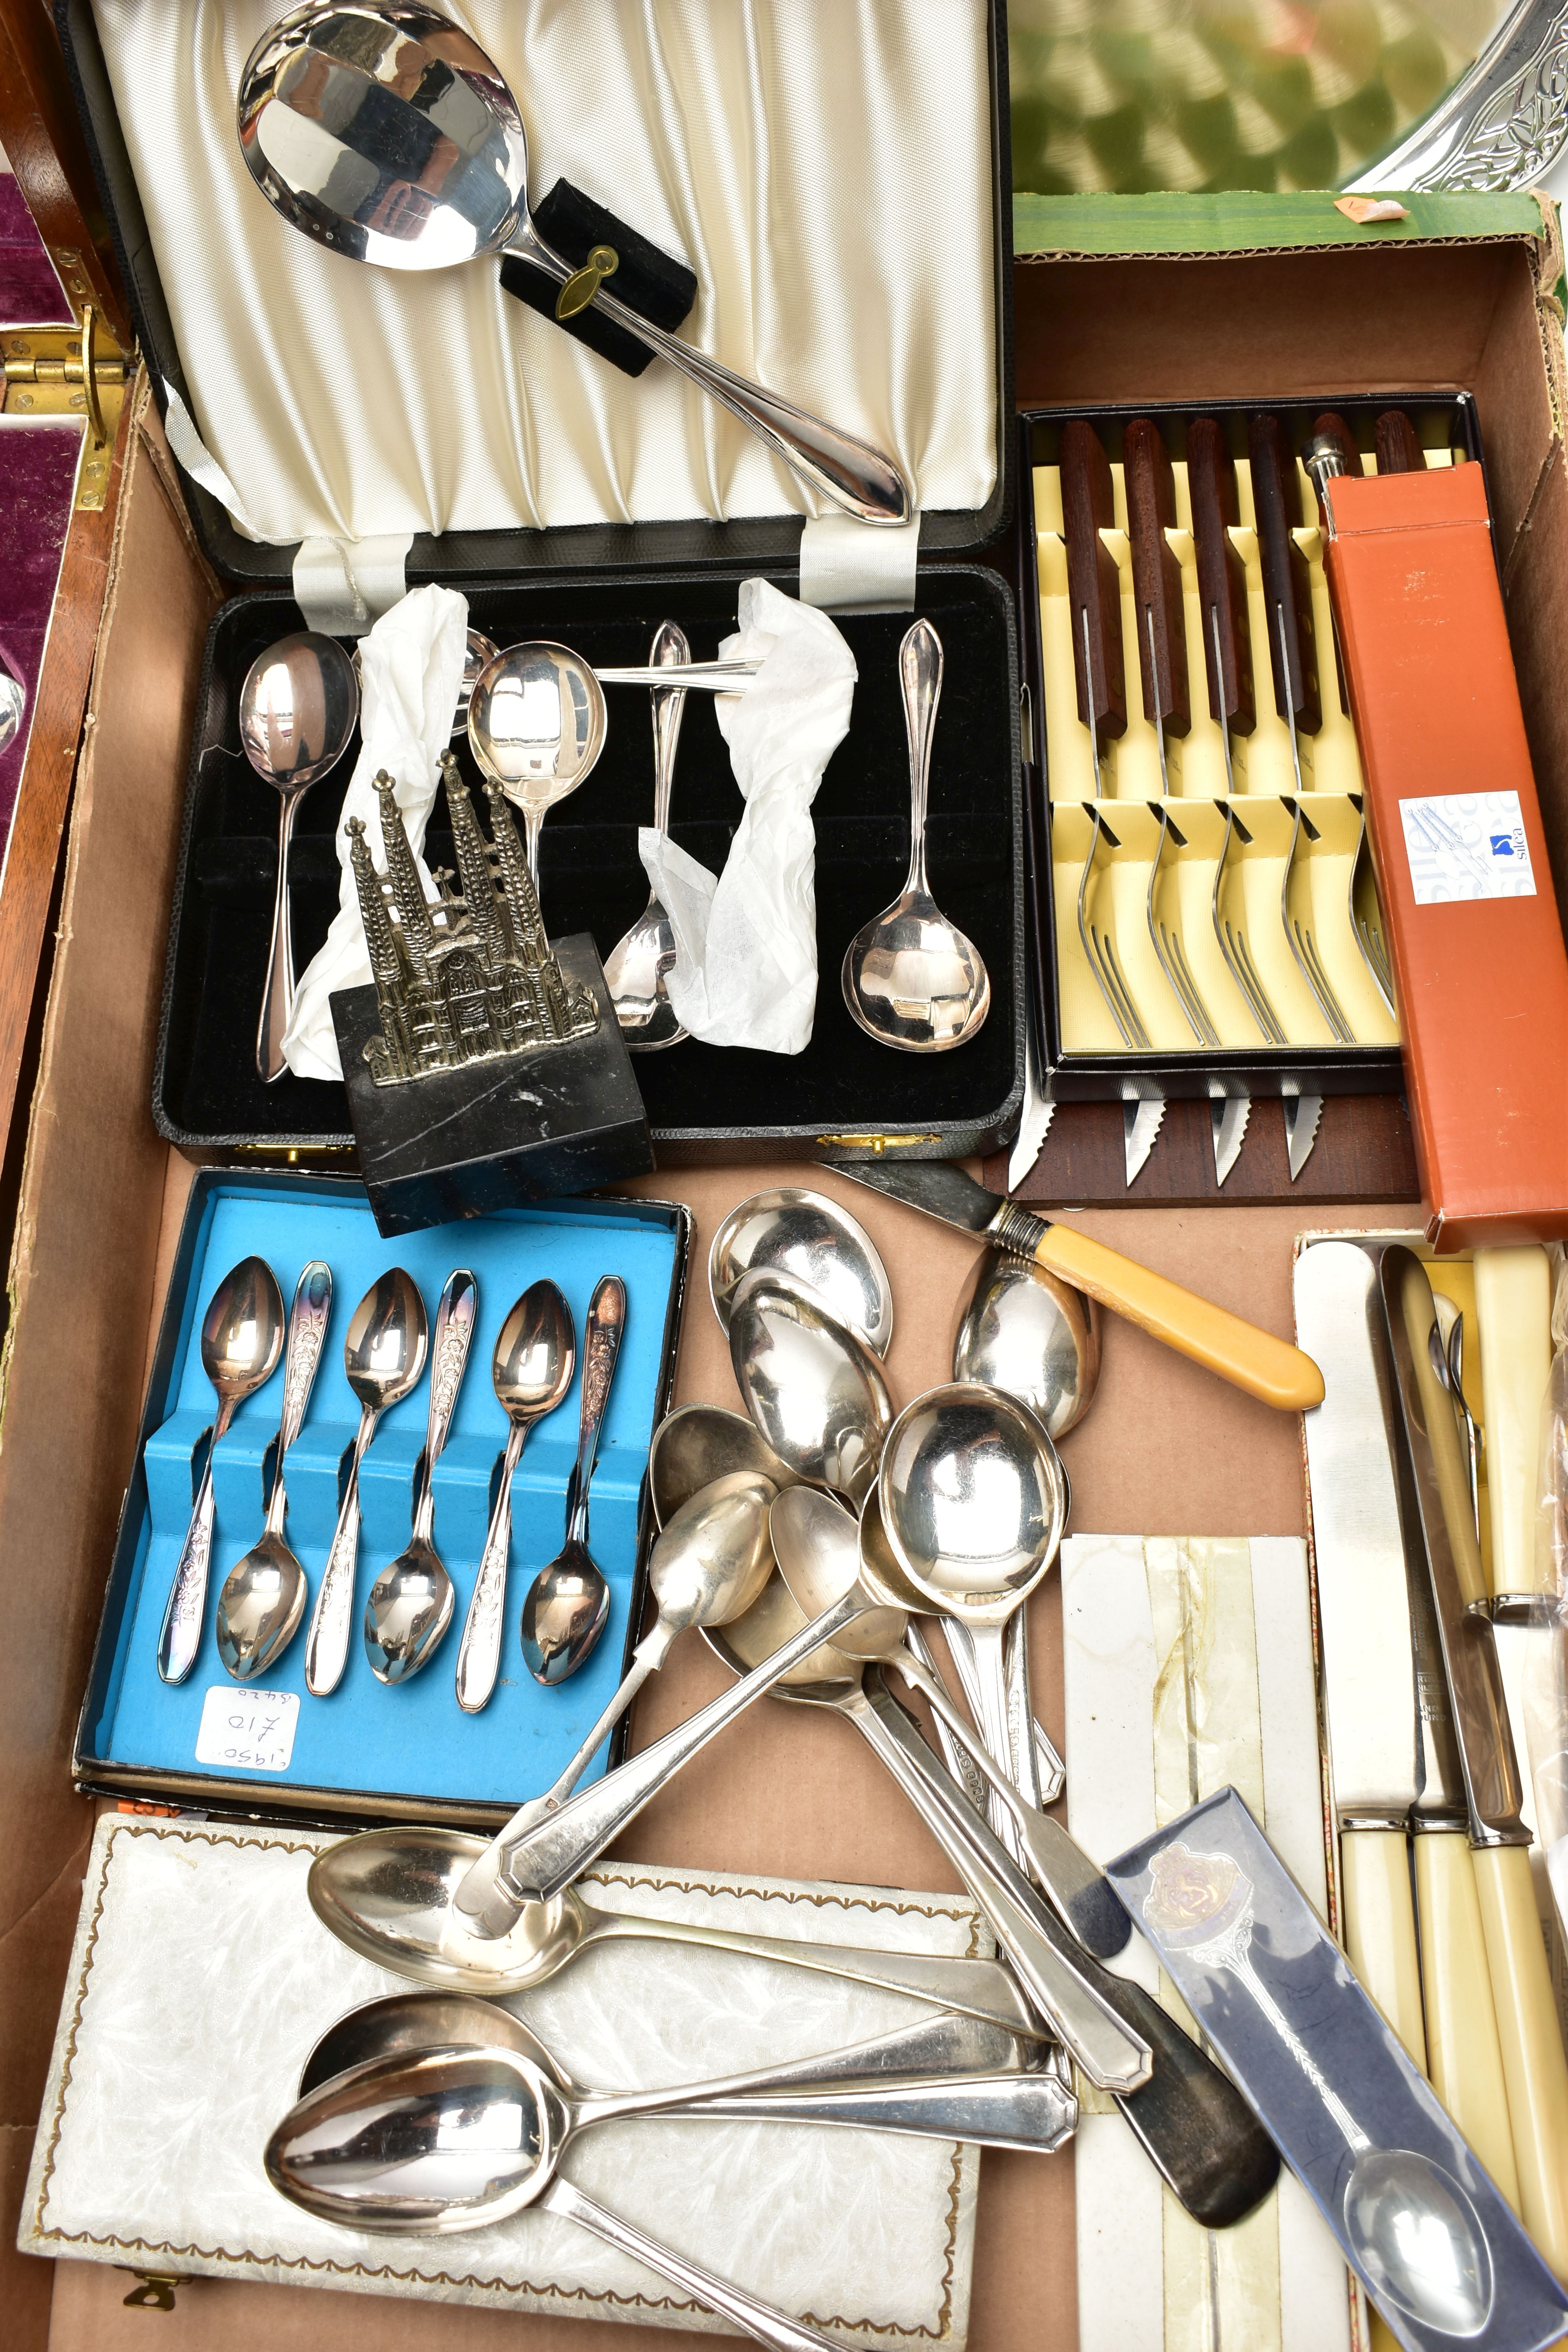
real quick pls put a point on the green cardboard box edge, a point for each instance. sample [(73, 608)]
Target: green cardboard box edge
[(1238, 221)]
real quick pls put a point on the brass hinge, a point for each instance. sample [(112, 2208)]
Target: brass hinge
[(75, 370), (877, 1143)]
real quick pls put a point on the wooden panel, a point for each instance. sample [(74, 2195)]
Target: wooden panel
[(1363, 1152), (43, 141)]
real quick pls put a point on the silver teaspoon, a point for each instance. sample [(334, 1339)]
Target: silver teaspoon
[(298, 708), (383, 1355), (263, 1595), (242, 1337), (410, 1604), (568, 1602), (911, 979), (535, 1358), (397, 114), (638, 966)]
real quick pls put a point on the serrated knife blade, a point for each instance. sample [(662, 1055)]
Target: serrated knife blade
[(1035, 1124), (1141, 1125), (1303, 1114), (1228, 1119)]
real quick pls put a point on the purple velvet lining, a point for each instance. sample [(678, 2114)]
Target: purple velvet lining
[(30, 293), (38, 475)]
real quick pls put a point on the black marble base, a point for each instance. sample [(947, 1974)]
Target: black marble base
[(524, 1127)]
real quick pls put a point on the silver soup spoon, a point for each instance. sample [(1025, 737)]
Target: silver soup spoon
[(398, 114), (911, 979), (568, 1602), (638, 965), (383, 1355), (389, 1894), (817, 1393), (708, 1566), (263, 1595), (298, 708), (536, 725), (410, 1603), (242, 1337), (535, 1357)]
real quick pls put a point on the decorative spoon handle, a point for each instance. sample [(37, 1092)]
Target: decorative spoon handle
[(920, 675), (327, 1643), (448, 1360), (601, 1348), (1033, 2112), (848, 472), (1048, 1764), (756, 2319), (479, 1658), (308, 1321), (668, 707), (277, 989), (182, 1632)]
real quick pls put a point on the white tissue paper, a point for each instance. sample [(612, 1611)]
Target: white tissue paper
[(411, 667), (745, 965)]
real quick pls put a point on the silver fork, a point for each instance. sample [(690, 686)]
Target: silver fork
[(1167, 938), (1296, 913), (1100, 945), (1366, 918), (1231, 933)]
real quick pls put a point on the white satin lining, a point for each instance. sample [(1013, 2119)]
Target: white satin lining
[(825, 165)]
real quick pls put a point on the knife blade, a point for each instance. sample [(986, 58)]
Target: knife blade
[(1227, 1120), (1141, 1125), (1254, 1361), (1534, 2065), (1303, 1114), (1034, 1123)]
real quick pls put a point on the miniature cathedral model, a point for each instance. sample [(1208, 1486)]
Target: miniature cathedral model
[(470, 976)]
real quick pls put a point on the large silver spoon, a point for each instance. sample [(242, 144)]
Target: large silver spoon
[(388, 1896), (940, 2080), (819, 1246), (638, 965), (298, 708), (386, 133), (535, 1357), (383, 1355), (263, 1595), (974, 1503), (568, 1602), (817, 1393), (410, 1603), (242, 1337), (699, 1442), (536, 725), (708, 1566), (911, 979)]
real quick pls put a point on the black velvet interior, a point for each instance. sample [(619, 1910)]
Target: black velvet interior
[(209, 1091)]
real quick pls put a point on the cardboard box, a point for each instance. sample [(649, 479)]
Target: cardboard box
[(792, 1794), (1460, 852)]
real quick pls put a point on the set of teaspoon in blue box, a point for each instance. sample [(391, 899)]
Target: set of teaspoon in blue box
[(372, 1748)]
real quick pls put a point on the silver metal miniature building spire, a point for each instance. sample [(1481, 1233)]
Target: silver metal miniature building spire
[(472, 977)]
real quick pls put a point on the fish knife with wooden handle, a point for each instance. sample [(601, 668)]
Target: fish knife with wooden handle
[(1221, 581), (1156, 584), (1267, 1368), (1094, 586)]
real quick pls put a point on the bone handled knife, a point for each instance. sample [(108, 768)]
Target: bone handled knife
[(1267, 1368), (1094, 586), (1535, 2067), (1156, 584)]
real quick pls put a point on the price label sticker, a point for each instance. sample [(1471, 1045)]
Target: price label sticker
[(247, 1730)]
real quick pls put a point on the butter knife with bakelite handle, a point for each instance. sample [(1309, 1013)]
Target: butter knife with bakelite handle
[(1267, 1368)]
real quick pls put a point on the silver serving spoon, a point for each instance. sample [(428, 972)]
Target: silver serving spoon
[(819, 1246), (535, 1357), (708, 1565), (568, 1602), (242, 1337), (637, 965), (297, 710), (699, 1443), (974, 1503), (536, 725), (969, 2087), (399, 116), (817, 1393), (383, 1355), (263, 1595), (410, 1603), (388, 1896), (911, 979)]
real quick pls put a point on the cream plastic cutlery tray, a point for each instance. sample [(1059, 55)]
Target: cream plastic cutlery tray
[(370, 1749), (1204, 905)]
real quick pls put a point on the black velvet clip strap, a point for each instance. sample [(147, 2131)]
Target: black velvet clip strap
[(647, 281)]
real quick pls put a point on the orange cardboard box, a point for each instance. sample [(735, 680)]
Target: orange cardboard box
[(1479, 967)]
